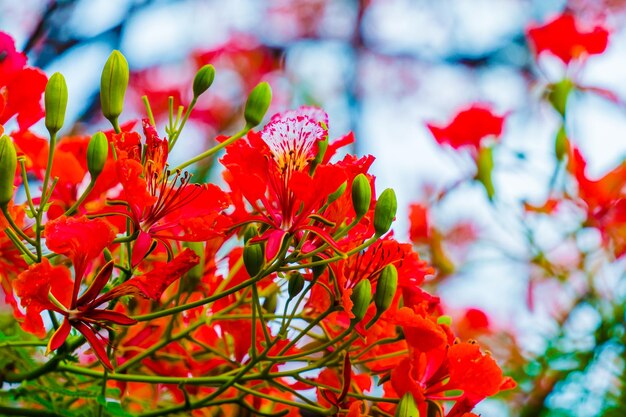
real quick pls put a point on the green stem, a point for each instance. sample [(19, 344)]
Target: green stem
[(329, 260), (214, 149), (29, 198), (303, 333), (19, 244), (16, 228), (49, 366), (148, 110), (44, 191), (220, 294), (151, 379), (27, 412), (21, 343), (82, 198), (318, 410), (175, 136), (188, 306), (191, 406), (116, 125)]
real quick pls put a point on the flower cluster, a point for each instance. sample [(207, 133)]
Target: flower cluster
[(285, 284)]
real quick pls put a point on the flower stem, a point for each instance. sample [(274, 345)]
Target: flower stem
[(214, 149)]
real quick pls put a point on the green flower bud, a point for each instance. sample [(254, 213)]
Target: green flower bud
[(253, 258), (386, 288), (561, 144), (251, 231), (296, 284), (271, 302), (485, 169), (361, 195), (203, 80), (559, 93), (361, 297), (385, 211), (113, 85), (97, 152), (407, 407), (8, 164), (257, 104), (55, 100)]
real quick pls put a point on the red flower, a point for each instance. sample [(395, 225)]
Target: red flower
[(420, 223), (469, 128), (81, 240), (165, 205), (46, 287), (563, 39), (20, 87), (33, 286), (436, 365), (604, 200), (272, 171)]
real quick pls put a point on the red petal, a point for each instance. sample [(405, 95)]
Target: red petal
[(562, 38), (79, 238), (155, 282), (96, 343), (419, 223), (33, 286), (476, 374), (469, 127), (97, 285), (130, 174), (13, 61), (58, 338), (275, 240), (23, 97), (110, 316), (141, 247)]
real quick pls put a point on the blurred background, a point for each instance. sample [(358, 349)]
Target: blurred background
[(382, 69)]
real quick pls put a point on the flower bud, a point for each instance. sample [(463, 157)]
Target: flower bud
[(251, 231), (361, 297), (385, 211), (361, 195), (253, 258), (203, 80), (386, 288), (97, 152), (561, 144), (8, 164), (296, 284), (113, 85), (485, 169), (407, 407), (271, 302), (257, 104), (559, 93), (55, 100)]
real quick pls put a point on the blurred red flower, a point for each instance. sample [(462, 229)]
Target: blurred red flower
[(563, 39), (469, 127)]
